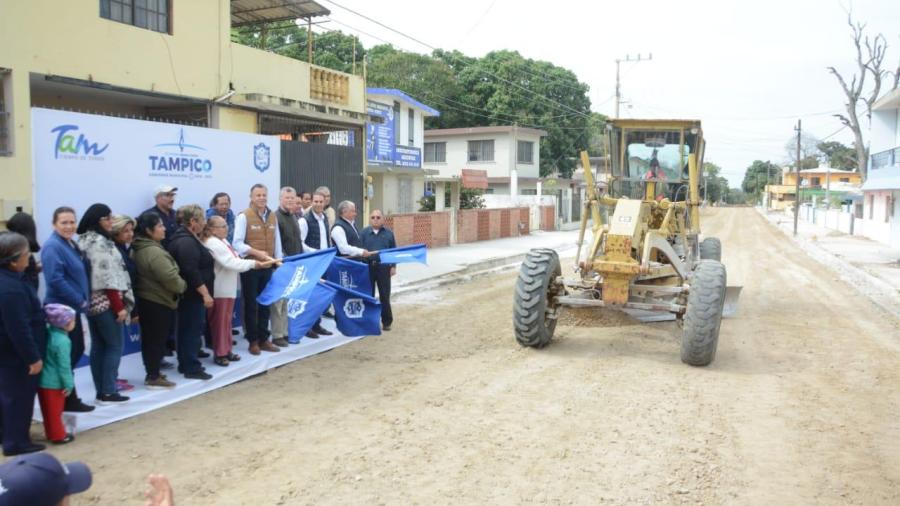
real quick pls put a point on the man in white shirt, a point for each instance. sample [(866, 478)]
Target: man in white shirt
[(344, 234), (315, 234), (256, 236)]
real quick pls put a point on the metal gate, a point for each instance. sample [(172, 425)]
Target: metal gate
[(307, 166), (576, 204)]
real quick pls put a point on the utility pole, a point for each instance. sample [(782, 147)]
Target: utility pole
[(354, 56), (309, 40), (797, 182), (618, 85)]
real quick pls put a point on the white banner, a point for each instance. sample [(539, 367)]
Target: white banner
[(81, 159)]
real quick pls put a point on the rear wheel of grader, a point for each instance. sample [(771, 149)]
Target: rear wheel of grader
[(533, 300), (711, 249), (703, 317)]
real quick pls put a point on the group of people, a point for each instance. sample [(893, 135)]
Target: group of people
[(175, 272)]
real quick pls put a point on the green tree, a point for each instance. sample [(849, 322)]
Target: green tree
[(759, 174), (333, 49), (839, 156), (714, 186)]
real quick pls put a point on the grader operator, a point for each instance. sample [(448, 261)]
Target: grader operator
[(645, 256)]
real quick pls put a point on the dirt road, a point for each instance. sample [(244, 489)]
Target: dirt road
[(801, 406)]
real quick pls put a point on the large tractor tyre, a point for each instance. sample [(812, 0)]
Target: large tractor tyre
[(535, 289), (703, 317), (711, 249)]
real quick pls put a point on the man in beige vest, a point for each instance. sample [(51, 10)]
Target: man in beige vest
[(256, 236)]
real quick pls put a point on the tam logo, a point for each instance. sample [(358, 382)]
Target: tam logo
[(66, 142)]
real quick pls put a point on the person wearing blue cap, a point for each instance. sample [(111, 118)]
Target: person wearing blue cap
[(39, 479)]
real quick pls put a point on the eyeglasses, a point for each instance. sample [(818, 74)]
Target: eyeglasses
[(375, 217), (106, 218), (218, 226)]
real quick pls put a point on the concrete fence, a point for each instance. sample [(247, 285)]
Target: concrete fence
[(443, 228)]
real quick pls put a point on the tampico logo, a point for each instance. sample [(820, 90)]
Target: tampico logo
[(297, 280), (347, 280), (354, 308), (70, 146), (261, 157), (183, 161)]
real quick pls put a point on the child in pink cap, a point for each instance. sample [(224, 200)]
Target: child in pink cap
[(57, 381)]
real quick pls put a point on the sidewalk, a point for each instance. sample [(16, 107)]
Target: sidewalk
[(871, 267), (450, 263)]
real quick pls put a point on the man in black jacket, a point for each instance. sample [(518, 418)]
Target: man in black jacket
[(291, 244), (377, 237)]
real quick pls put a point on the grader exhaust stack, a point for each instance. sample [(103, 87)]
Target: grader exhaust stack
[(648, 260)]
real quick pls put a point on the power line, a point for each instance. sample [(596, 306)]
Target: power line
[(410, 37)]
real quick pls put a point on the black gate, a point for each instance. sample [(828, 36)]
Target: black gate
[(307, 166)]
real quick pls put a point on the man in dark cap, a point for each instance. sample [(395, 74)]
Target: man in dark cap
[(38, 479)]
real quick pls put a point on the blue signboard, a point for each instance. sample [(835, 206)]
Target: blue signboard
[(380, 136), (407, 156)]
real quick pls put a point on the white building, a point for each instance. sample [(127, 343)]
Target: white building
[(394, 145), (881, 191), (509, 157)]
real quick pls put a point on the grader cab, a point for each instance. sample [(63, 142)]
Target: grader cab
[(645, 256)]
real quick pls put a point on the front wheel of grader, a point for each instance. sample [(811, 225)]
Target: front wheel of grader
[(533, 308), (703, 316)]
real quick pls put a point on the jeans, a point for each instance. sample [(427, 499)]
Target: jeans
[(107, 343), (256, 316), (191, 322)]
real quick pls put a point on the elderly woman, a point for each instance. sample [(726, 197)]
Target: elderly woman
[(111, 303), (65, 273), (24, 224), (228, 265), (23, 342), (197, 267), (157, 287)]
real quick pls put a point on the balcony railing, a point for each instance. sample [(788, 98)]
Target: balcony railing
[(887, 158)]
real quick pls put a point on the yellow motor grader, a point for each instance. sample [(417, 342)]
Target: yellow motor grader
[(645, 256)]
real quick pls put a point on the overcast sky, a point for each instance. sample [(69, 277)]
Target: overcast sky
[(747, 69)]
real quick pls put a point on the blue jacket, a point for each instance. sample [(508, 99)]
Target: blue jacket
[(65, 274), (23, 335), (384, 239)]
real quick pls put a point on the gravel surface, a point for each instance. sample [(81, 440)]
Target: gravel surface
[(800, 406)]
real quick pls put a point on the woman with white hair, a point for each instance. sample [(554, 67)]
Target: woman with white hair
[(228, 265)]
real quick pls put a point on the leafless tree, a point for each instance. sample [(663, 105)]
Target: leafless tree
[(869, 60)]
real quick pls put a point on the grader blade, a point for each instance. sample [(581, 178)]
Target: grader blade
[(732, 294)]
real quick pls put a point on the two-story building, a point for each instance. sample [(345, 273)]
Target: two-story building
[(508, 156), (394, 143), (880, 218), (171, 62)]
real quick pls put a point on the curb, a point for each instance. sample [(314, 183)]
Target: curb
[(473, 270), (851, 274)]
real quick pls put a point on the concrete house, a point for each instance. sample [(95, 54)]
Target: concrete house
[(881, 191), (394, 145)]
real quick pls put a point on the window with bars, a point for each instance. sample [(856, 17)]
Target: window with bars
[(525, 152), (481, 151), (435, 152), (149, 14)]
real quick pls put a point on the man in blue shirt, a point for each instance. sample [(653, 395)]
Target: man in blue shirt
[(377, 237)]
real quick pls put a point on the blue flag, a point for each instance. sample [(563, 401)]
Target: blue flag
[(297, 277), (356, 314), (350, 274), (303, 313), (404, 254)]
